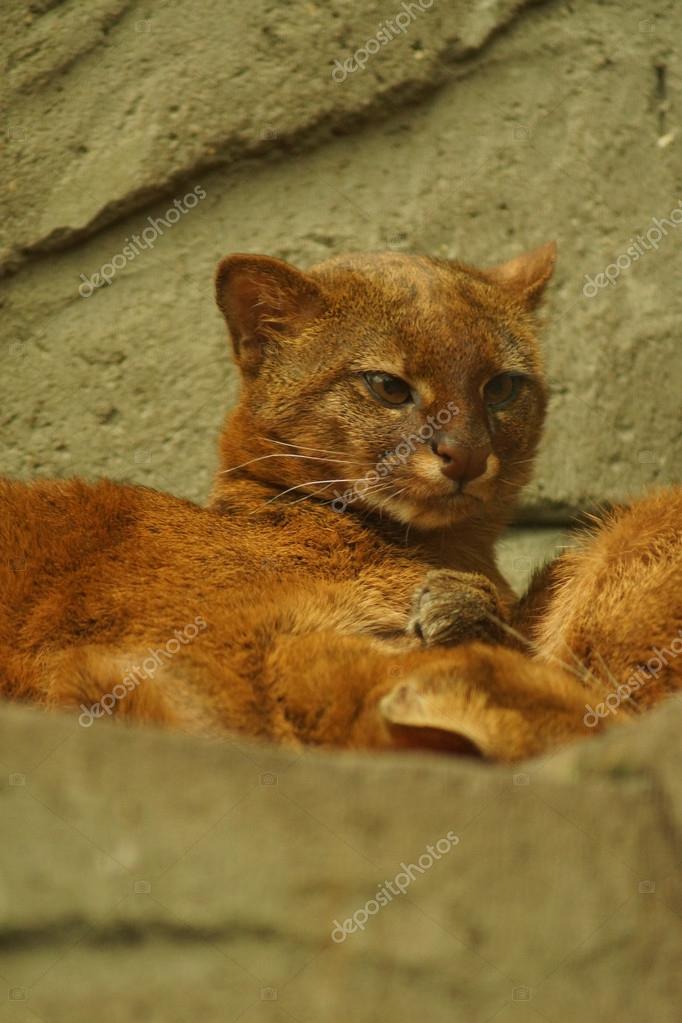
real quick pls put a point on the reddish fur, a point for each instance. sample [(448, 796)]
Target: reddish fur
[(615, 599)]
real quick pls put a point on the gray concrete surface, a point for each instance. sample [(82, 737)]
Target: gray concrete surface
[(523, 550), (152, 877)]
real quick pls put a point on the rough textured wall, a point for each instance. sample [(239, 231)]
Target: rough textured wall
[(481, 129), (172, 880)]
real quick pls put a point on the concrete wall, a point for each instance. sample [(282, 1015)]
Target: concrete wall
[(480, 130)]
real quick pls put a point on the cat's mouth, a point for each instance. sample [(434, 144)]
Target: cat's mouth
[(459, 490)]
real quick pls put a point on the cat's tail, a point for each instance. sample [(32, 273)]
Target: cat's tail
[(103, 683)]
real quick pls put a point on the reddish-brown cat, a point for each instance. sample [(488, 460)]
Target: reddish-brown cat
[(389, 413), (390, 410)]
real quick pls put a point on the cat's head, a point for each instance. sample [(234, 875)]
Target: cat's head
[(403, 384)]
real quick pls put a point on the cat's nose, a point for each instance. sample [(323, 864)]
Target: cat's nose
[(461, 463)]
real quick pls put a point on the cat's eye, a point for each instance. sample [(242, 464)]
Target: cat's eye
[(388, 389), (501, 390)]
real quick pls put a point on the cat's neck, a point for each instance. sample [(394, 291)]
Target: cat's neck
[(242, 489)]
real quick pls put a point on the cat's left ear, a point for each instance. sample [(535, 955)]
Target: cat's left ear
[(264, 300), (526, 275)]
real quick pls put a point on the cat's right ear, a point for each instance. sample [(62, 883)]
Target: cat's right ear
[(264, 301), (419, 718), (489, 702), (526, 275)]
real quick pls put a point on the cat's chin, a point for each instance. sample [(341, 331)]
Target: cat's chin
[(435, 513)]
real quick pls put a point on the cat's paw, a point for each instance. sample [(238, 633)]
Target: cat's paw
[(455, 607)]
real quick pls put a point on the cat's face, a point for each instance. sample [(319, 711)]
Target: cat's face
[(405, 385)]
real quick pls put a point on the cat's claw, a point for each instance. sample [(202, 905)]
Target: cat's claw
[(454, 607)]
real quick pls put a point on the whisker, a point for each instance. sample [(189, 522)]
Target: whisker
[(281, 454), (372, 490), (585, 676), (315, 493), (375, 489), (382, 504), (307, 447), (510, 630), (310, 483), (379, 487), (579, 664), (615, 683), (589, 677)]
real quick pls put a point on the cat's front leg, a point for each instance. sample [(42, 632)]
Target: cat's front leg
[(454, 607)]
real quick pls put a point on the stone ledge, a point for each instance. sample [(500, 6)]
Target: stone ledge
[(189, 877)]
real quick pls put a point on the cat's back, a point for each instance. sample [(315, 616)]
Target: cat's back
[(111, 564), (641, 542), (617, 598), (60, 520), (74, 535)]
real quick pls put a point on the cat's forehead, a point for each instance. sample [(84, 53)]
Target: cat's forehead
[(412, 290), (436, 316), (393, 274)]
